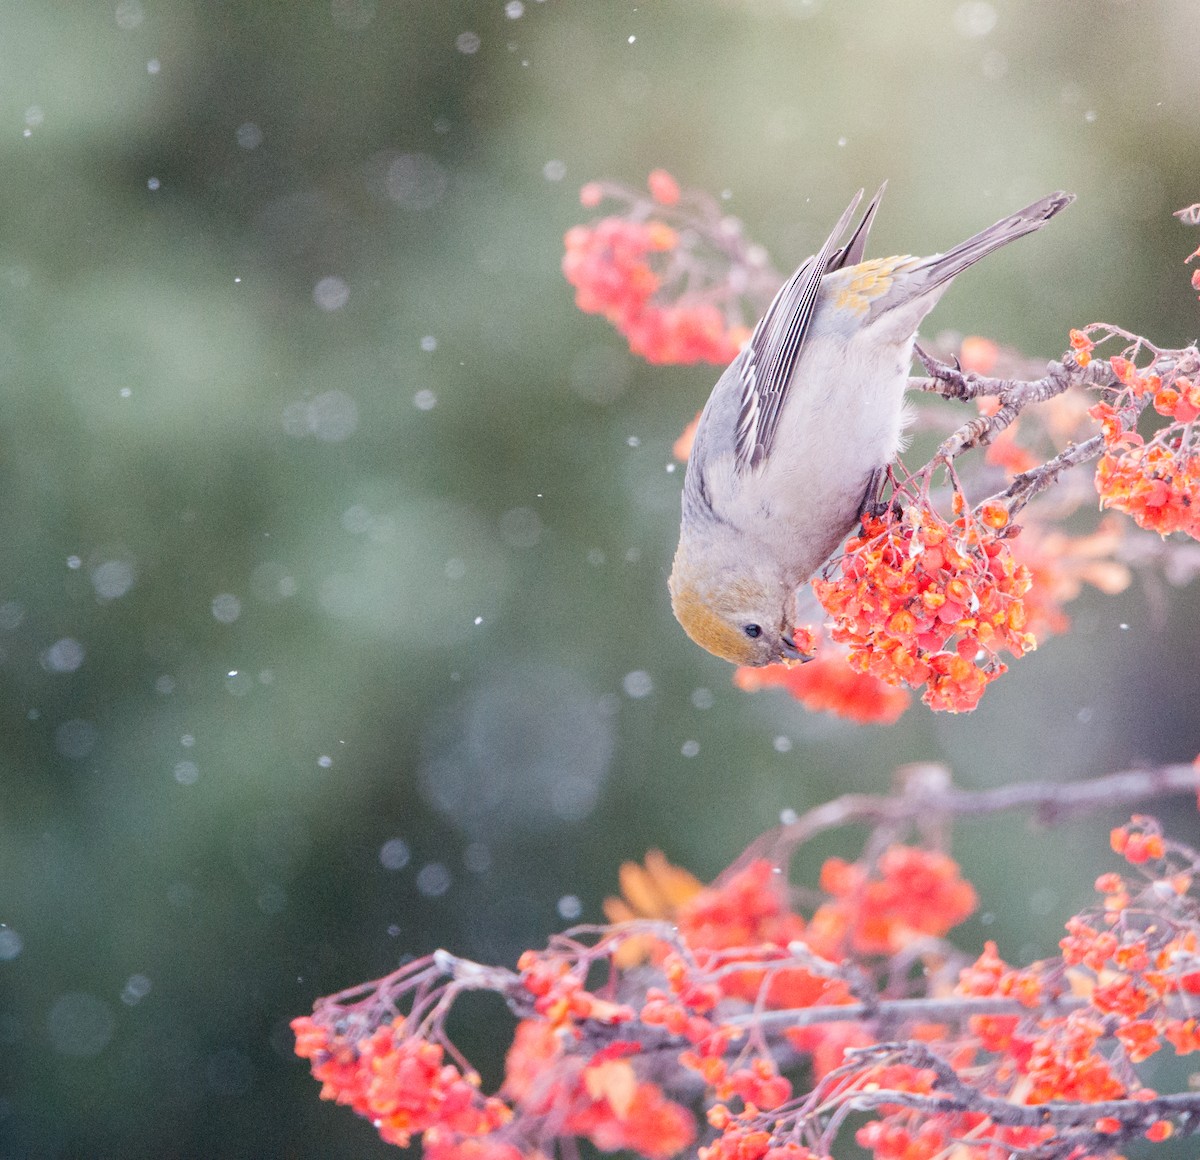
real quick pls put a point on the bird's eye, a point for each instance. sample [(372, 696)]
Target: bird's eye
[(753, 631)]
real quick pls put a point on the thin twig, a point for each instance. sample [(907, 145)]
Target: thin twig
[(954, 383), (1050, 802), (951, 1010), (951, 382), (1029, 483), (953, 1094)]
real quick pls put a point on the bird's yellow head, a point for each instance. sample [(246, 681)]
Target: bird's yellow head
[(745, 621)]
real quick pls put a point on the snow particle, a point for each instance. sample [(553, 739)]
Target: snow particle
[(226, 607), (974, 18), (637, 684), (112, 579), (394, 854), (352, 15), (332, 416), (433, 880), (521, 527), (11, 944), (63, 656), (76, 738), (249, 135), (331, 293), (80, 1024), (477, 858), (136, 988), (130, 14)]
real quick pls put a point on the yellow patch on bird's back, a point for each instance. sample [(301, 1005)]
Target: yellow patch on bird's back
[(868, 281), (710, 630)]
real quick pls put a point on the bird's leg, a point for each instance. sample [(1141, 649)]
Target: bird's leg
[(952, 380), (873, 504)]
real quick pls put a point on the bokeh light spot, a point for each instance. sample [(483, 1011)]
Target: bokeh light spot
[(331, 293), (226, 607), (75, 738), (112, 579), (637, 684), (394, 854), (80, 1024), (11, 944), (433, 880), (63, 656)]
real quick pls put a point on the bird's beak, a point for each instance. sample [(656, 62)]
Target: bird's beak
[(789, 654)]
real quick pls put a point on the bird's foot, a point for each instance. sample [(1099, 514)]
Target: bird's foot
[(951, 375), (874, 504)]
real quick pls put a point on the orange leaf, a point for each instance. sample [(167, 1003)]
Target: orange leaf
[(615, 1081)]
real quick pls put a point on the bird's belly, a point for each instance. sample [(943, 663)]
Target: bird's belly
[(833, 434)]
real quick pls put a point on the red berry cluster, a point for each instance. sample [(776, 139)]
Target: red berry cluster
[(734, 980), (910, 894), (920, 601), (730, 945), (401, 1082), (648, 272), (830, 684), (1154, 480), (601, 1098)]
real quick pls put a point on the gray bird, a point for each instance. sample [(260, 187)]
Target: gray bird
[(794, 437)]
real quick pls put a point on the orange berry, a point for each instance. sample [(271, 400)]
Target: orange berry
[(663, 187), (661, 236), (978, 354), (1165, 400), (1123, 369), (994, 514)]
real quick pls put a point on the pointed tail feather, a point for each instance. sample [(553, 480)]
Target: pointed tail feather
[(942, 267), (852, 252)]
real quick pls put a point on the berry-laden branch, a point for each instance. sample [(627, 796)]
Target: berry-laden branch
[(672, 272), (1054, 1130), (725, 1022), (936, 588)]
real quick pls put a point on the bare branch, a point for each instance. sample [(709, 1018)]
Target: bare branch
[(951, 382), (923, 799), (954, 383), (898, 1011), (1029, 483), (953, 1094)]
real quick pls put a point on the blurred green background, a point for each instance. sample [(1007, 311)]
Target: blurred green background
[(333, 624)]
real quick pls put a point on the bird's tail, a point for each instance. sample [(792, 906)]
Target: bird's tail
[(942, 267)]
